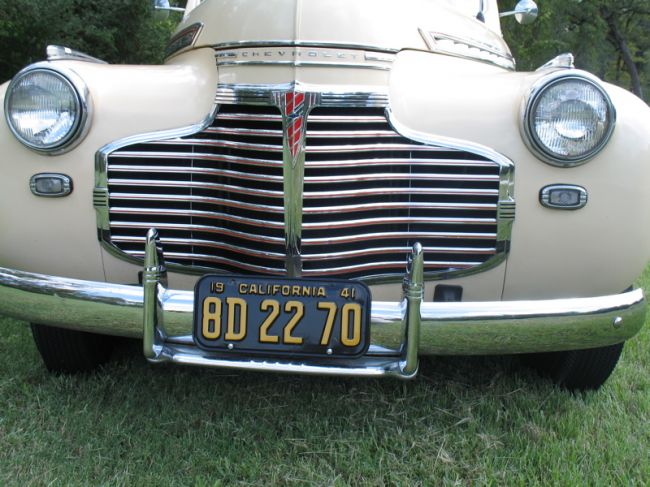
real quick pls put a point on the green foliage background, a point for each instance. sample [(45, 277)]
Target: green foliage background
[(597, 32), (118, 31), (609, 37)]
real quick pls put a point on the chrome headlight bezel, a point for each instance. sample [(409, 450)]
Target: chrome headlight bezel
[(531, 103), (83, 107)]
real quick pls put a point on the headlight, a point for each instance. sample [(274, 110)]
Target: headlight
[(46, 109), (568, 119)]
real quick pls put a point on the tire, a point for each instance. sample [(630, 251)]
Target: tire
[(69, 351), (577, 370)]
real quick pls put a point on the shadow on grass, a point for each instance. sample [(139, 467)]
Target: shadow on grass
[(460, 416), (439, 380)]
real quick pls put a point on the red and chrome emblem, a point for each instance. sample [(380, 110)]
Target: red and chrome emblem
[(294, 111)]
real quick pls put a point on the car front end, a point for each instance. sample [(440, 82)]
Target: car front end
[(338, 191)]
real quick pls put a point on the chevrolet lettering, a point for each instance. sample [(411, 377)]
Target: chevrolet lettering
[(333, 187)]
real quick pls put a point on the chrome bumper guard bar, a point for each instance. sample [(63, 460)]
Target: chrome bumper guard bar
[(156, 348), (400, 331)]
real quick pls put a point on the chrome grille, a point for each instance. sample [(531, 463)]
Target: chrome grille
[(217, 196), (370, 194)]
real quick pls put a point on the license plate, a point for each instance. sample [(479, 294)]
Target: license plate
[(276, 316)]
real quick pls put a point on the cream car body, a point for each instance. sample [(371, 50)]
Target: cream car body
[(433, 93)]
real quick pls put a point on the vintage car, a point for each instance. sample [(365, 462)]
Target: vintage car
[(326, 187)]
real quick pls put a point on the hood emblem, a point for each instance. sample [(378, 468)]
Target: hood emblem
[(294, 106), (295, 114)]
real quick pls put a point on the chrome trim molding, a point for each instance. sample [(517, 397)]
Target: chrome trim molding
[(183, 40), (294, 43), (293, 179), (100, 191), (66, 184), (294, 106), (545, 196), (361, 96), (400, 331), (561, 61), (304, 56), (506, 205), (62, 53), (529, 105), (433, 41), (78, 85)]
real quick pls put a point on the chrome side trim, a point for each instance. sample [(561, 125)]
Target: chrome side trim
[(62, 53), (437, 42)]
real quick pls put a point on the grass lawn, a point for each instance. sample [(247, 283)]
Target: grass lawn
[(462, 421)]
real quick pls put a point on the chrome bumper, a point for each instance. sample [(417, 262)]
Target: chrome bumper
[(400, 331)]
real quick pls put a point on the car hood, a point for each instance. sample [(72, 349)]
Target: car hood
[(388, 25)]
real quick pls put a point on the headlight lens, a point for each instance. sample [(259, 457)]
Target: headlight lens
[(569, 120), (43, 109)]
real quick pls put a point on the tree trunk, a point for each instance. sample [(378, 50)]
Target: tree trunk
[(621, 45)]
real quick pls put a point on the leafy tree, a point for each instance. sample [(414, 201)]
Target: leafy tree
[(118, 31), (608, 37)]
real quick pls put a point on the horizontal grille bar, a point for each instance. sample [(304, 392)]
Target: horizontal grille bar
[(195, 214), (399, 250), (385, 266), (371, 207), (395, 161), (189, 156), (222, 173), (339, 119), (146, 225), (153, 183), (399, 177), (193, 242), (224, 144), (382, 191), (249, 117), (213, 259), (346, 149), (369, 237), (193, 199)]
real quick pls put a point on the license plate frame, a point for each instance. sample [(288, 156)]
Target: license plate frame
[(221, 302)]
